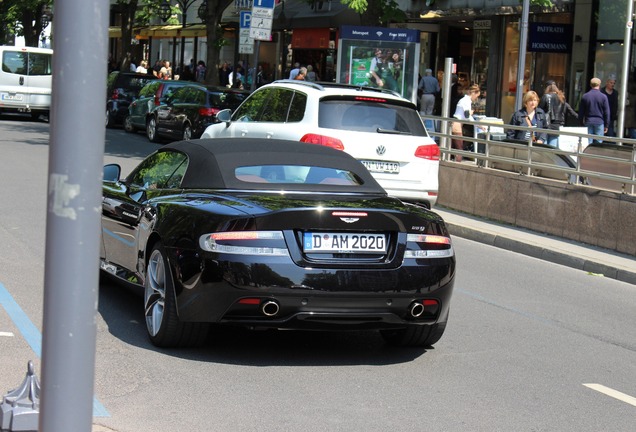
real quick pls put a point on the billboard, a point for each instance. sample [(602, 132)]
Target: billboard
[(380, 57)]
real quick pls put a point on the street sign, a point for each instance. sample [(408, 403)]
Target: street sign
[(246, 43), (262, 19), (246, 19)]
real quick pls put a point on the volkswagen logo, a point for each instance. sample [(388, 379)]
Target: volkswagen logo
[(380, 150)]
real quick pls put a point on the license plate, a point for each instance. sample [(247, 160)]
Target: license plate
[(382, 166), (11, 97), (344, 242)]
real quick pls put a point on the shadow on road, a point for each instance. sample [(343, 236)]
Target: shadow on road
[(122, 310)]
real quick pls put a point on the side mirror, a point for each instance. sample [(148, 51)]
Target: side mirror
[(111, 173), (225, 116)]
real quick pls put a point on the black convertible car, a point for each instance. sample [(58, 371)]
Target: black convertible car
[(273, 234)]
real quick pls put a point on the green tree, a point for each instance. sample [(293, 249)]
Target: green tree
[(22, 18), (214, 12)]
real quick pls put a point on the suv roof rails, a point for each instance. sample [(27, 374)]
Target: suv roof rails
[(320, 85)]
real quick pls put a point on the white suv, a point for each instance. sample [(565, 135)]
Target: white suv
[(380, 128)]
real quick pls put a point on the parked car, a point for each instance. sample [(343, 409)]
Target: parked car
[(150, 97), (25, 80), (189, 110), (274, 234), (380, 128), (121, 89)]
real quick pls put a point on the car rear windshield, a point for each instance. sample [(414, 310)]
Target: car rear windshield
[(296, 174), (226, 100), (370, 115)]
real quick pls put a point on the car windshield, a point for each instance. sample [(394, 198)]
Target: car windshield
[(370, 115), (298, 174)]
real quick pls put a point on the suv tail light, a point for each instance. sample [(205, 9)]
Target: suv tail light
[(208, 112), (429, 151), (323, 141)]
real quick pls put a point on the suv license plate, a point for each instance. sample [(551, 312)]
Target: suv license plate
[(382, 166), (344, 242), (11, 97)]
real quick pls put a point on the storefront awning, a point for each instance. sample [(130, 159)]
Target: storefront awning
[(162, 31)]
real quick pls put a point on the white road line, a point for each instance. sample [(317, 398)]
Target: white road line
[(612, 393), (6, 334)]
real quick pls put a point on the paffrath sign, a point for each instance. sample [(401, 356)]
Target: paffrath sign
[(550, 37)]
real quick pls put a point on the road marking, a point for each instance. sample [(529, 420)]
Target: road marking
[(33, 337), (612, 393), (6, 334)]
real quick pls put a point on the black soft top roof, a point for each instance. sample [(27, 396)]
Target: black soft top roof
[(212, 163)]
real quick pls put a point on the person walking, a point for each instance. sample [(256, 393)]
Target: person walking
[(612, 98), (594, 110), (463, 111), (302, 74), (530, 115), (555, 106), (429, 86), (295, 71)]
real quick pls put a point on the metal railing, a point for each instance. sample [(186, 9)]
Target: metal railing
[(611, 165)]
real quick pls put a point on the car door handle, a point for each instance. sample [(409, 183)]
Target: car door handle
[(21, 80)]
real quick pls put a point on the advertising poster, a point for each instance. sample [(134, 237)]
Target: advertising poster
[(380, 57)]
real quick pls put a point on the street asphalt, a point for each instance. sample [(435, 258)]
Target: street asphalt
[(594, 260)]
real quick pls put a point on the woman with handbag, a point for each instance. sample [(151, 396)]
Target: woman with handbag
[(531, 116), (556, 108)]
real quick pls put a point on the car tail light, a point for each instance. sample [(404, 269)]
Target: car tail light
[(323, 141), (208, 112), (429, 151), (115, 94), (271, 243), (157, 101), (428, 246)]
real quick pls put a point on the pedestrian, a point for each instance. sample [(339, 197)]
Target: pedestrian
[(463, 111), (201, 70), (429, 86), (630, 110), (224, 74), (166, 71), (311, 74), (302, 74), (156, 69), (143, 67), (612, 98), (555, 106), (294, 72), (594, 110), (530, 115)]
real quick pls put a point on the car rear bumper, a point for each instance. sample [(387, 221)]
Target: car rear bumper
[(305, 298)]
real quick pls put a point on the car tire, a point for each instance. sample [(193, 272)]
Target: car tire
[(128, 126), (151, 130), (164, 328), (109, 119), (187, 132), (414, 335)]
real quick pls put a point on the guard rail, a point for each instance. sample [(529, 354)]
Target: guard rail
[(608, 165)]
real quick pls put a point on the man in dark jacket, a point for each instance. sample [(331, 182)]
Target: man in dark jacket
[(594, 110), (612, 98)]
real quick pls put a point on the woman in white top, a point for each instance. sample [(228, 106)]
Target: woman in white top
[(464, 111)]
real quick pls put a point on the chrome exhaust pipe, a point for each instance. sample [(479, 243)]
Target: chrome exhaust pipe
[(416, 309), (270, 308)]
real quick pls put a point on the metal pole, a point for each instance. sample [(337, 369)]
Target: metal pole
[(255, 68), (446, 96), (71, 274), (523, 42), (622, 94)]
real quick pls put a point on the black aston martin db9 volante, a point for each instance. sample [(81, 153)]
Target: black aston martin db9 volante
[(273, 234)]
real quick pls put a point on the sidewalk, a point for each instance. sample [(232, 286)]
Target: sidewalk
[(559, 251)]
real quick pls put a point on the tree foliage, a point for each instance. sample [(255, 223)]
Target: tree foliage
[(22, 18)]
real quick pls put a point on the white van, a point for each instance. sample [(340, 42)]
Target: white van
[(25, 79)]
